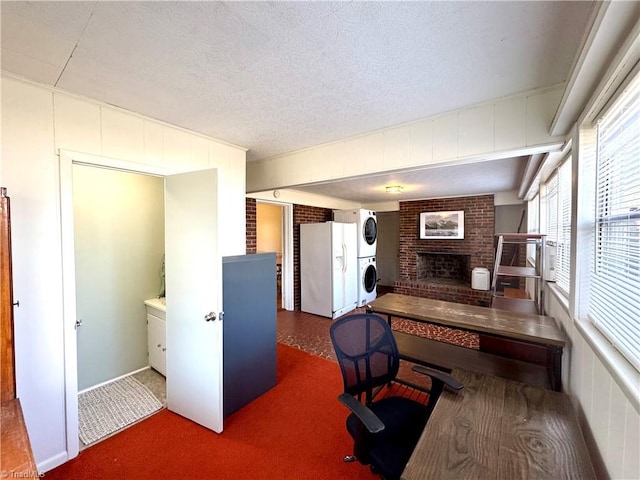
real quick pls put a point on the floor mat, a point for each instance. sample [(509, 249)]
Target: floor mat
[(108, 408)]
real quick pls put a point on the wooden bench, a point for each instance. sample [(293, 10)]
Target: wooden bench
[(500, 429), (522, 347), (16, 457)]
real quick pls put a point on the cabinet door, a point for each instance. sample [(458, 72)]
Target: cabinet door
[(156, 334)]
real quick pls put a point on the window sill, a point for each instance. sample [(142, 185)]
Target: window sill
[(623, 373), (563, 300)]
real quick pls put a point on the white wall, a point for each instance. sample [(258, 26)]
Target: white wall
[(37, 121), (119, 244), (508, 218), (604, 387), (506, 127), (269, 228), (610, 421), (298, 197), (388, 247)]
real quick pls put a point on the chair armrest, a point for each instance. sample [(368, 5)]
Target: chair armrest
[(438, 375), (364, 414)]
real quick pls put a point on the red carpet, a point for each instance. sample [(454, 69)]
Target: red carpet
[(294, 431)]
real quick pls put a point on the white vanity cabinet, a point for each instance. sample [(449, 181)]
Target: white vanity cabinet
[(156, 334)]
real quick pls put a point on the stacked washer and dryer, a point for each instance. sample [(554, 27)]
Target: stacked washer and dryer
[(367, 226)]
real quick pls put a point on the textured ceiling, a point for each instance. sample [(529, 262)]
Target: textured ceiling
[(470, 179), (276, 77)]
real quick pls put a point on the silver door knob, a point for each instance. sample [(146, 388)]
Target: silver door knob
[(210, 317)]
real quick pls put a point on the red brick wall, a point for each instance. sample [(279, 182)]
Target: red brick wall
[(447, 293), (478, 242), (301, 214), (304, 214), (479, 232), (252, 229)]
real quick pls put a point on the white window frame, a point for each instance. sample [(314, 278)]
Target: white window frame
[(615, 275)]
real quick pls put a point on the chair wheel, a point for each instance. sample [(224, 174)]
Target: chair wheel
[(349, 459)]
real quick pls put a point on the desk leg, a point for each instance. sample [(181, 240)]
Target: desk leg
[(554, 367), (368, 309)]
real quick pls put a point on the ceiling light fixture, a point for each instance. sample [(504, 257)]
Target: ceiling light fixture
[(393, 189)]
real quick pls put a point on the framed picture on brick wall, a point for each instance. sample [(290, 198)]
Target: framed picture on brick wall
[(442, 225)]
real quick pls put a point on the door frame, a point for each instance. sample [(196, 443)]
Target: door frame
[(287, 256), (287, 251), (67, 159)]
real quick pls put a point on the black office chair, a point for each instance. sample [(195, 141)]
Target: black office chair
[(384, 431)]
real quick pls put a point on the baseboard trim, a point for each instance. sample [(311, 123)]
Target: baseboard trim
[(114, 379), (52, 462)]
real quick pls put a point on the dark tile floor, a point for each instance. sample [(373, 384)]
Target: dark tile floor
[(310, 333), (306, 332)]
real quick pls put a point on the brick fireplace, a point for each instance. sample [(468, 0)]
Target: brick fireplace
[(441, 269)]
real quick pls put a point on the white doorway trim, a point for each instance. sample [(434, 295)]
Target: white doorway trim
[(287, 251), (67, 158), (287, 256)]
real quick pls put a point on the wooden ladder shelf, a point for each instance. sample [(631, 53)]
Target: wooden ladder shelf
[(531, 298)]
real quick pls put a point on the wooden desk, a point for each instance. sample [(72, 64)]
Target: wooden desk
[(500, 324), (499, 429)]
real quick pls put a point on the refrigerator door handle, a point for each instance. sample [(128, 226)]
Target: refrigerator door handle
[(344, 257)]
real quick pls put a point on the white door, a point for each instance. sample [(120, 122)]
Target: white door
[(338, 259), (193, 269), (351, 262), (345, 282)]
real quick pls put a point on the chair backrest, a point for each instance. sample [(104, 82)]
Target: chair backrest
[(367, 352)]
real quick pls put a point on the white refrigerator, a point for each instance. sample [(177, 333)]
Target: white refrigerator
[(328, 268)]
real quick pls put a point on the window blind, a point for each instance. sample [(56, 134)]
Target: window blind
[(563, 230), (614, 300), (552, 209), (558, 209), (533, 224)]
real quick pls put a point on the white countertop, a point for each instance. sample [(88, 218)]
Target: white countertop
[(159, 303)]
